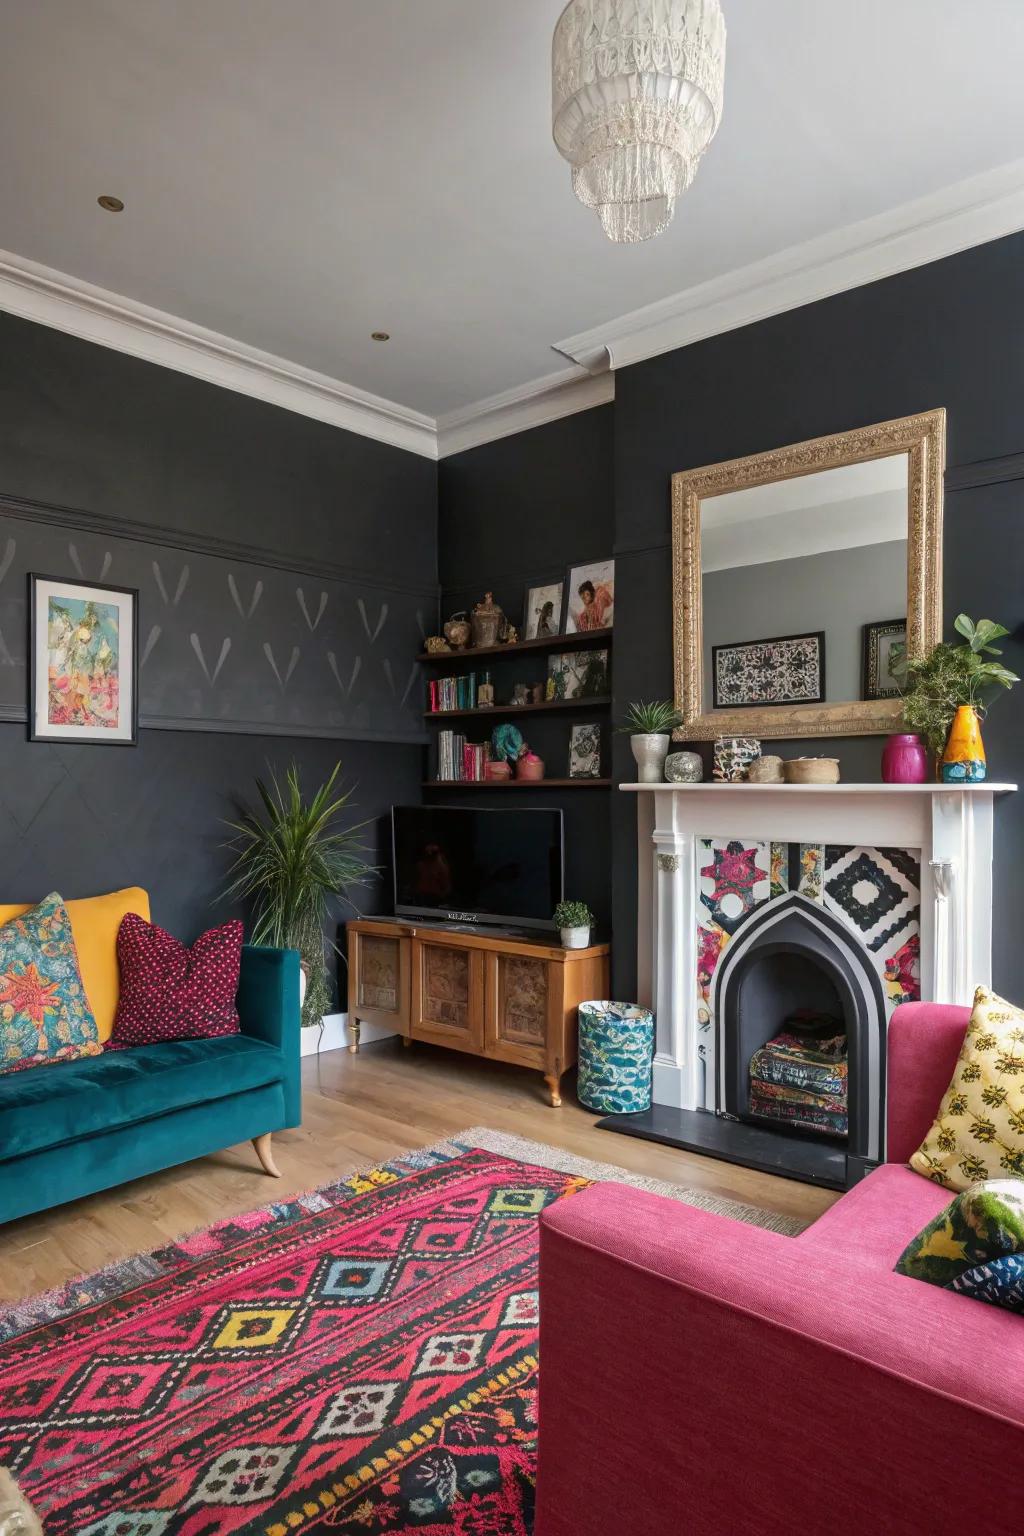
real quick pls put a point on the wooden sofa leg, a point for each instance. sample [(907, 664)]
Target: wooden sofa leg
[(265, 1153)]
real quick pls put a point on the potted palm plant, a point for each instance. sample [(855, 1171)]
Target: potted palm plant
[(574, 920), (292, 859), (650, 727)]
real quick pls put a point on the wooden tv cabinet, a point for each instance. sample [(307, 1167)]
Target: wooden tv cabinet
[(492, 995)]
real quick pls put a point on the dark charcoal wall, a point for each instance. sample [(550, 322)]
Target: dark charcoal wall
[(286, 571), (948, 334), (518, 510)]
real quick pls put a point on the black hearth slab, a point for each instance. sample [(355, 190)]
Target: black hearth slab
[(735, 1141)]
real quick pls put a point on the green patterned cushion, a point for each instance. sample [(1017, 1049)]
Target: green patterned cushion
[(975, 1246), (44, 1013)]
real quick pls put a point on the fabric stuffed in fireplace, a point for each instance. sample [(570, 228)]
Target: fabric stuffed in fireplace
[(801, 1078)]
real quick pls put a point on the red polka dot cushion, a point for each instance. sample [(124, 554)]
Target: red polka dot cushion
[(171, 992)]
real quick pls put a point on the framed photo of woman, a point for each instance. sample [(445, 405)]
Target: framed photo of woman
[(590, 597), (83, 662), (542, 610)]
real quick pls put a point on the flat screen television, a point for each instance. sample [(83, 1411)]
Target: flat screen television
[(477, 866)]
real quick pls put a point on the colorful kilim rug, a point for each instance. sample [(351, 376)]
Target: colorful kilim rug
[(359, 1359)]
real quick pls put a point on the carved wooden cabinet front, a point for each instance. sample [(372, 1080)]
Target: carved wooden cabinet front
[(519, 1004), (379, 979), (447, 994)]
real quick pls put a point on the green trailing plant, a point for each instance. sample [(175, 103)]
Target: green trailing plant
[(658, 718), (292, 860), (936, 685), (573, 914)]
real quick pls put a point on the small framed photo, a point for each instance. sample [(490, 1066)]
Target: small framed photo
[(542, 610), (83, 662), (578, 675), (787, 669), (585, 752), (590, 596), (885, 655)]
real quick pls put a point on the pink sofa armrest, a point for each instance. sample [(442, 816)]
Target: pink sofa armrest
[(705, 1376), (924, 1043)]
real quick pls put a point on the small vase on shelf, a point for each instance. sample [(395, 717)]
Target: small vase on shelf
[(650, 751), (963, 761), (904, 760)]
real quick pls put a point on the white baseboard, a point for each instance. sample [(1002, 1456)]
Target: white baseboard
[(335, 1035)]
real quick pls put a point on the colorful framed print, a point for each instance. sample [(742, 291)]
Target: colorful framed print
[(578, 675), (585, 752), (542, 610), (787, 669), (885, 655), (590, 597), (83, 662)]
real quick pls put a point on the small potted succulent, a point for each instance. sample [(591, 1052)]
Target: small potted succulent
[(650, 727), (574, 920)]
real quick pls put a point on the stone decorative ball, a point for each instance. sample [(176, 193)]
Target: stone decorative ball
[(684, 768)]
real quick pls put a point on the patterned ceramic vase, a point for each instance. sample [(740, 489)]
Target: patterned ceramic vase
[(684, 768), (733, 757), (616, 1058), (904, 761), (963, 761)]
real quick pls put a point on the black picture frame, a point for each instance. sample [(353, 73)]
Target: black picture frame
[(580, 566), (817, 635), (38, 655), (873, 634), (534, 586)]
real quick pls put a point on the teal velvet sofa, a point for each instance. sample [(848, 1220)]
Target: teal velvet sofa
[(75, 1127)]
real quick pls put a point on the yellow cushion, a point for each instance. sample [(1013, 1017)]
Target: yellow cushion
[(978, 1132), (94, 923)]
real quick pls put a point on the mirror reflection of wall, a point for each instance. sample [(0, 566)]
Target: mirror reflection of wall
[(822, 555)]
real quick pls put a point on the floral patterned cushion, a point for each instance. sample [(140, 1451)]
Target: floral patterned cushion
[(978, 1132), (975, 1246), (44, 1013)]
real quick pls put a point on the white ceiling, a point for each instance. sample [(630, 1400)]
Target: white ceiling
[(298, 173)]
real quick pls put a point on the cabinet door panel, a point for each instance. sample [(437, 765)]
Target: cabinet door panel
[(519, 1008), (380, 979), (448, 995)]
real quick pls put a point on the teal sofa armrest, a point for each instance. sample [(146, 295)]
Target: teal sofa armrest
[(268, 1008)]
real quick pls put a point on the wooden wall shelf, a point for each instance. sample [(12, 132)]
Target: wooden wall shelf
[(549, 706), (504, 784), (595, 637)]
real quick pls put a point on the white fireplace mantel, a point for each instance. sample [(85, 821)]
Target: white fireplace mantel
[(951, 826)]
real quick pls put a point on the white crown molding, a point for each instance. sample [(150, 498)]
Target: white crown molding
[(517, 410), (968, 213), (67, 304)]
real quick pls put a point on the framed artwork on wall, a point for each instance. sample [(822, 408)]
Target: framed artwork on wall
[(590, 596), (577, 675), (885, 652), (787, 669), (83, 662), (542, 610), (585, 752)]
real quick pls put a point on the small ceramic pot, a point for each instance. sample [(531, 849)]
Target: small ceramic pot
[(684, 768), (575, 938), (733, 757), (457, 632), (963, 761), (904, 761), (766, 770), (529, 767), (496, 771), (650, 752)]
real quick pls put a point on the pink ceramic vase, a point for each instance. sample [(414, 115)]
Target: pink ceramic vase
[(529, 766), (904, 761)]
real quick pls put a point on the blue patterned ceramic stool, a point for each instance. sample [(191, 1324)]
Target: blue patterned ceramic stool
[(616, 1058)]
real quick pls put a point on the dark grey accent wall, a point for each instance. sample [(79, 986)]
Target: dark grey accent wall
[(287, 571), (947, 334), (520, 510)]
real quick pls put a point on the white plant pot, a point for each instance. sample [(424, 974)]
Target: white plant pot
[(302, 987), (575, 938), (650, 753)]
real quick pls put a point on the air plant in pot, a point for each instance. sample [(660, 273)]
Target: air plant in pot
[(574, 920), (292, 860), (649, 728), (948, 692)]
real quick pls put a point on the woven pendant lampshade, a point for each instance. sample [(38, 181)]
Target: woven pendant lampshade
[(637, 89)]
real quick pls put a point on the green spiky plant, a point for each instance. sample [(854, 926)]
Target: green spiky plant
[(934, 686), (291, 861), (658, 718)]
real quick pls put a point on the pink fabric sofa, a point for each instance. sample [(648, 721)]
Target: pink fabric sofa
[(703, 1377)]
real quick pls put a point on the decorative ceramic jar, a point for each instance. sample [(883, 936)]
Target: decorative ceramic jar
[(616, 1058), (487, 620), (766, 770), (684, 768), (963, 761), (904, 760), (650, 751), (530, 767), (496, 770), (457, 631), (733, 757)]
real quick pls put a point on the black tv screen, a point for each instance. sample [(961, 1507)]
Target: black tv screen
[(500, 866)]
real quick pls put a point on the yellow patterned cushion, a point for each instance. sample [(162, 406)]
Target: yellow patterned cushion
[(979, 1130)]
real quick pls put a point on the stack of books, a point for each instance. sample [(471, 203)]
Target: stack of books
[(452, 693), (459, 760)]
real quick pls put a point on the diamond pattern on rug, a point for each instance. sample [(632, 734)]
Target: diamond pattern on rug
[(358, 1410), (245, 1476)]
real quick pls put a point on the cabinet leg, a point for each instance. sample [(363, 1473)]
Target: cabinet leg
[(553, 1081), (407, 1041), (353, 1036)]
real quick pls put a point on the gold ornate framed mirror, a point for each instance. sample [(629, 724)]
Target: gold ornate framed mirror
[(802, 576)]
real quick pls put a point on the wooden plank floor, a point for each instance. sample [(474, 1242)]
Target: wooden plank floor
[(357, 1110)]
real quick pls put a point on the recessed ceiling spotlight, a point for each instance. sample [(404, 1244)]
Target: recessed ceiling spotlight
[(110, 204), (380, 335)]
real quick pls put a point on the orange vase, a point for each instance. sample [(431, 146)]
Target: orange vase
[(963, 761)]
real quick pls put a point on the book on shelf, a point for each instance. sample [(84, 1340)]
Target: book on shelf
[(460, 761), (447, 693)]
